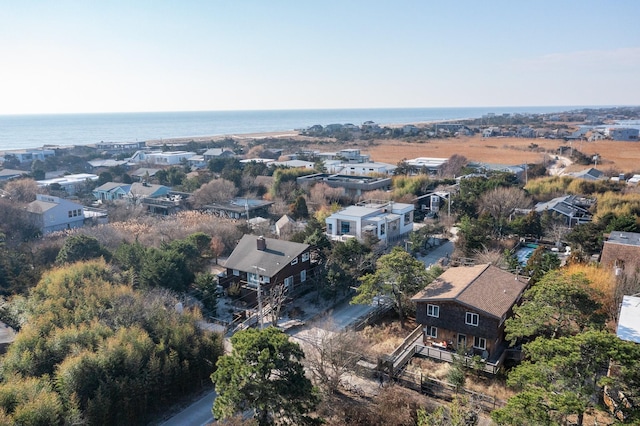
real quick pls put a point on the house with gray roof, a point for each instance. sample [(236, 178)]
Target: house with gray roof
[(573, 208), (111, 191), (239, 208), (466, 307), (8, 174), (354, 186), (52, 214), (212, 153), (588, 174), (142, 190), (266, 262)]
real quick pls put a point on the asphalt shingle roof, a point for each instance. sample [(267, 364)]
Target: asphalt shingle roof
[(486, 288), (277, 255)]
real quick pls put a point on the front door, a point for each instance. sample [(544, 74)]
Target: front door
[(462, 341)]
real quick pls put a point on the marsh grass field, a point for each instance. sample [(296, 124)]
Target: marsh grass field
[(620, 156)]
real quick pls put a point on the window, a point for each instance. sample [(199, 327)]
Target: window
[(288, 283), (407, 218), (236, 272), (471, 319), (70, 213), (294, 261), (433, 311), (480, 343), (305, 257), (431, 331), (382, 229), (329, 228), (303, 275), (345, 227)]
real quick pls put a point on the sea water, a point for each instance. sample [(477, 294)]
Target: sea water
[(35, 131)]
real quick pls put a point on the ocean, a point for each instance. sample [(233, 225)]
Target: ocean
[(36, 131)]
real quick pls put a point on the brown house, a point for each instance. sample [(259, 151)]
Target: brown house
[(268, 262), (621, 252), (466, 307)]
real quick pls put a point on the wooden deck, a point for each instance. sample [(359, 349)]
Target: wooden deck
[(411, 346)]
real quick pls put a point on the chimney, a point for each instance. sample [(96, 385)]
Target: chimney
[(262, 243)]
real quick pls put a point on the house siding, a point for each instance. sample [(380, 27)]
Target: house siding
[(452, 321), (624, 256), (249, 295)]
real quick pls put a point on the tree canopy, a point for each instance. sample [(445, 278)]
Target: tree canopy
[(565, 376), (264, 373), (560, 304), (399, 276), (99, 352)]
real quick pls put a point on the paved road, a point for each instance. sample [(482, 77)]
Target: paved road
[(337, 318), (443, 250), (197, 414)]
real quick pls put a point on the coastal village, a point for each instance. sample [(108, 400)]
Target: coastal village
[(449, 283)]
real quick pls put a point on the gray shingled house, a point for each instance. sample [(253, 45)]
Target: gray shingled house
[(269, 262), (465, 308)]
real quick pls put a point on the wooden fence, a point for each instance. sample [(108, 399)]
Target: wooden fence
[(442, 390), (448, 356), (370, 318)]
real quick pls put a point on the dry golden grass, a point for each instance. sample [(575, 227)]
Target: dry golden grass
[(622, 156), (383, 337)]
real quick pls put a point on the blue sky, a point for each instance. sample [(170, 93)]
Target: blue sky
[(63, 56)]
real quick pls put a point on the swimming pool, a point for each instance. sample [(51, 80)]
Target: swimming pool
[(524, 253)]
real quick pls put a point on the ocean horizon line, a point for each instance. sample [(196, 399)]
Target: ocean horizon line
[(31, 131), (500, 107)]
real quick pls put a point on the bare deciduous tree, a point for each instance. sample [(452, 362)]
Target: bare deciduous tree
[(330, 354), (276, 298), (494, 257), (322, 194), (453, 166), (501, 202), (22, 190), (557, 231), (215, 191)]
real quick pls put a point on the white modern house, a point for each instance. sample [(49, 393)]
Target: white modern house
[(358, 169), (29, 155), (169, 158), (52, 214), (70, 183), (385, 220)]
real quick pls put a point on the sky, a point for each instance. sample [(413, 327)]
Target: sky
[(62, 56)]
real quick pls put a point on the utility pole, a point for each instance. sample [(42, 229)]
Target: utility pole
[(257, 268)]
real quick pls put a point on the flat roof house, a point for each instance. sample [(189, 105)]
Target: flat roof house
[(385, 220), (70, 183)]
